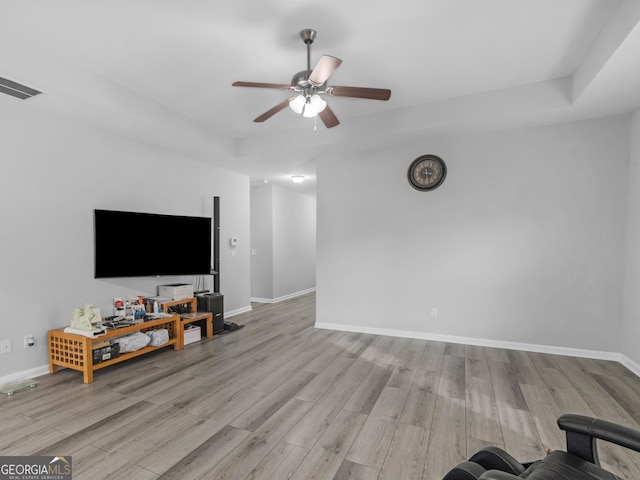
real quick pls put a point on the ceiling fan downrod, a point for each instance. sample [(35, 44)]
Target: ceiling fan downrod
[(308, 35)]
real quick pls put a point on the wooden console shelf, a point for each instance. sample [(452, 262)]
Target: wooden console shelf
[(192, 316), (75, 351)]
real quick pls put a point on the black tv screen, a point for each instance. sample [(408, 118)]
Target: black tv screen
[(130, 244)]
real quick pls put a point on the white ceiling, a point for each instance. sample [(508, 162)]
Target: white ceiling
[(161, 70)]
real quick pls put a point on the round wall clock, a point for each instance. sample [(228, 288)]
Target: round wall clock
[(427, 172)]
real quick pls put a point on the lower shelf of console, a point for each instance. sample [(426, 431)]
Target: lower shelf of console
[(74, 351)]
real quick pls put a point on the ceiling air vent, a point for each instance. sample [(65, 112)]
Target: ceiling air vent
[(17, 90)]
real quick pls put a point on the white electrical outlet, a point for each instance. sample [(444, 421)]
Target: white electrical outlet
[(5, 346), (434, 312), (29, 341)]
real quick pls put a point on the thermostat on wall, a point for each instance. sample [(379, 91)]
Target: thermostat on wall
[(233, 241)]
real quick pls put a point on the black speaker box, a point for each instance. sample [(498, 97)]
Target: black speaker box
[(214, 303)]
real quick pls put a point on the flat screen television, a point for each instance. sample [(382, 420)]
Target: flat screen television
[(131, 244)]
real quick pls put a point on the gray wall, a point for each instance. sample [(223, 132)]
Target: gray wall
[(524, 242), (53, 173), (294, 242), (631, 325), (283, 236), (533, 237), (262, 241)]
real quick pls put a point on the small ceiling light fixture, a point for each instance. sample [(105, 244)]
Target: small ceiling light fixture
[(297, 178), (309, 106)]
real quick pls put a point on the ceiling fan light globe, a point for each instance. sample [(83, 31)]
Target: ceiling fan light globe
[(297, 104), (318, 103), (309, 111)]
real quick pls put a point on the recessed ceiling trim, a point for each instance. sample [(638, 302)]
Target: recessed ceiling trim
[(16, 89)]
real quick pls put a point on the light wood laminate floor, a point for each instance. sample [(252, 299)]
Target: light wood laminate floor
[(279, 399)]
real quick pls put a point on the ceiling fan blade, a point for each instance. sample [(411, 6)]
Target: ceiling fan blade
[(324, 69), (271, 112), (279, 86), (328, 117), (360, 92)]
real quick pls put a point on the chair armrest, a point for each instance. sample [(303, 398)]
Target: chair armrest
[(583, 431)]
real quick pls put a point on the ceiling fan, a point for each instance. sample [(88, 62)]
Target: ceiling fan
[(311, 84)]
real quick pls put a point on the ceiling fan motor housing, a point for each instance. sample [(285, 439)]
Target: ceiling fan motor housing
[(300, 81)]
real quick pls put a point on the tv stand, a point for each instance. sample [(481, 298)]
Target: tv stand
[(75, 351)]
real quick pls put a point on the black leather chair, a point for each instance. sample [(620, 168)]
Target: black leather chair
[(579, 462)]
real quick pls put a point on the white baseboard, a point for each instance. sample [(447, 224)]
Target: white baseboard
[(482, 342), (238, 311), (285, 297), (630, 364), (23, 375)]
